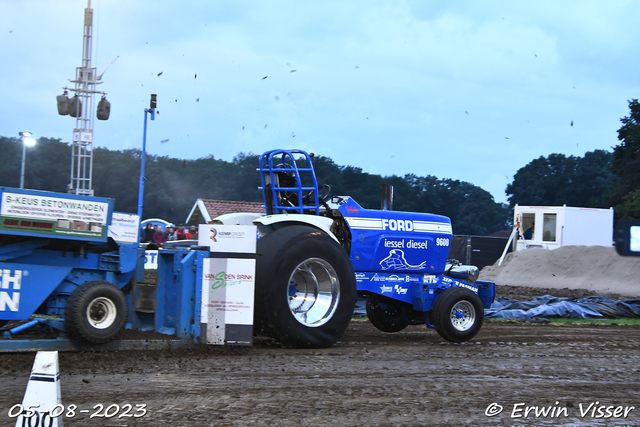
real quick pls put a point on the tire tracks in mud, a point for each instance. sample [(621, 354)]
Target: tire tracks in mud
[(408, 378)]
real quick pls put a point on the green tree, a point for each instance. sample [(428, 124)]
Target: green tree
[(246, 178), (173, 185), (329, 173), (557, 180), (11, 156), (364, 188), (626, 165), (471, 209), (629, 208), (42, 164), (116, 175)]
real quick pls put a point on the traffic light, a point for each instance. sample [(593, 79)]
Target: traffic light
[(153, 103)]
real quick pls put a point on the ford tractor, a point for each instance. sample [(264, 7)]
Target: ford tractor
[(317, 254)]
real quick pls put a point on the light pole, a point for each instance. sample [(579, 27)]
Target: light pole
[(152, 112), (26, 141)]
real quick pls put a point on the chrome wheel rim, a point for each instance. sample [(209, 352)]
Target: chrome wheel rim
[(463, 316), (313, 292), (101, 313)]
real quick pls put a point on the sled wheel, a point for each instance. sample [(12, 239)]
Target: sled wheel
[(305, 287), (386, 314), (458, 314), (96, 312)]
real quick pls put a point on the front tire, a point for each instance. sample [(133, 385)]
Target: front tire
[(458, 314), (305, 287), (96, 312)]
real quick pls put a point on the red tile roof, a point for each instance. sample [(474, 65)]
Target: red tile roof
[(220, 207)]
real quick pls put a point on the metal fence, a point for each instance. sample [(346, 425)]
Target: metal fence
[(477, 250)]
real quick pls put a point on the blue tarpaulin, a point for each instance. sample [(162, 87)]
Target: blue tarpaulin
[(550, 306), (536, 309)]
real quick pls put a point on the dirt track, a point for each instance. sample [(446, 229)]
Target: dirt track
[(370, 378)]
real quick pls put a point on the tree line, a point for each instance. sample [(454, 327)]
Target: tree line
[(172, 185), (598, 179)]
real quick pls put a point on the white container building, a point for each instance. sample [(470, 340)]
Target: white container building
[(551, 227)]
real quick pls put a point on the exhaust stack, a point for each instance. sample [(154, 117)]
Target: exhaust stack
[(387, 197)]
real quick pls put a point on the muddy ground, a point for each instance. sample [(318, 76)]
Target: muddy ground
[(369, 378)]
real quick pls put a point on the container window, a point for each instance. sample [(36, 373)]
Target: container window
[(528, 225), (549, 230)]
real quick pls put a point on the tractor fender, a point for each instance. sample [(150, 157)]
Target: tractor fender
[(321, 223)]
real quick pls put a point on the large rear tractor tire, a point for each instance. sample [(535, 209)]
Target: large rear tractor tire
[(458, 314), (96, 312), (305, 287), (386, 314)]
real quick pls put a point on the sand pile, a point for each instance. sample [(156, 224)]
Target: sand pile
[(596, 268)]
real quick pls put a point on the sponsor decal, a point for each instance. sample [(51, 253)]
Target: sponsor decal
[(466, 285), (225, 280), (232, 234), (384, 289), (394, 278), (408, 278), (430, 278), (400, 290), (123, 228), (397, 224), (408, 244), (396, 261), (150, 260), (228, 238), (383, 224), (228, 234), (215, 234), (11, 280), (388, 243)]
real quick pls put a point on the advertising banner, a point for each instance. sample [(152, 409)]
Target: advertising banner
[(69, 217), (227, 301), (228, 238), (125, 228), (151, 260)]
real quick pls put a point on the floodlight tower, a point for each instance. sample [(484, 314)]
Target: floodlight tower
[(81, 107)]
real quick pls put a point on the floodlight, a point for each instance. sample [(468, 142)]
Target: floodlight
[(27, 141)]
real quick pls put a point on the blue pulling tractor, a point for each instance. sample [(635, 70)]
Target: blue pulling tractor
[(70, 262), (317, 254)]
